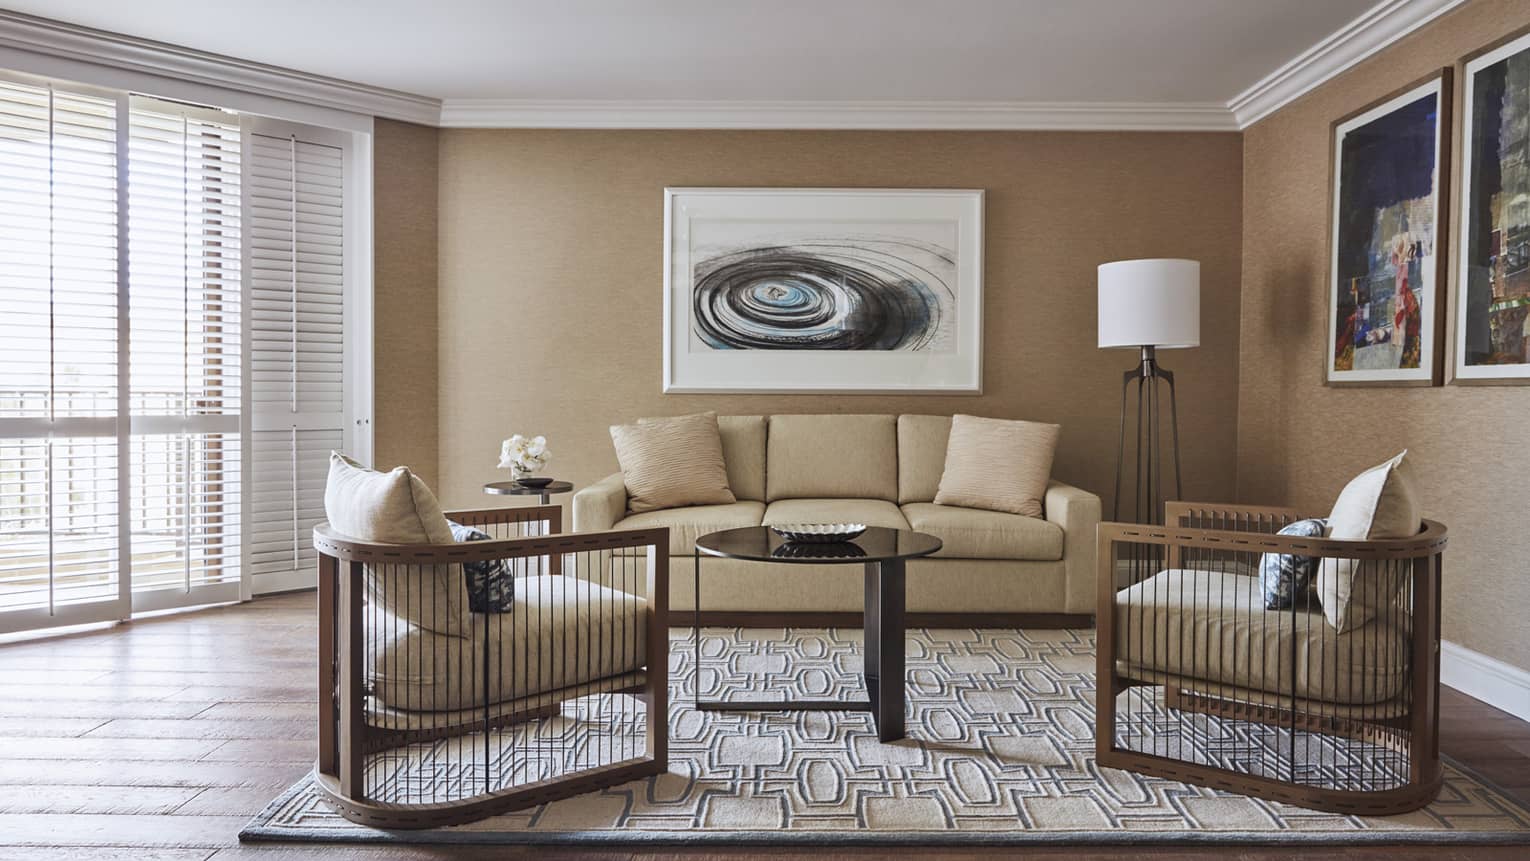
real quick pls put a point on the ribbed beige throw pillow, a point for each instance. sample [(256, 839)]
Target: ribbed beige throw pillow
[(998, 464), (398, 508), (1377, 503), (672, 462)]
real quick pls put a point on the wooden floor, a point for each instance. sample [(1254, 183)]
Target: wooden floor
[(156, 740)]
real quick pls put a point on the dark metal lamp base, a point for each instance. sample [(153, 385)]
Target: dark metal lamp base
[(1148, 495)]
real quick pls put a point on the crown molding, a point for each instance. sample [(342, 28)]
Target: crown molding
[(115, 51), (1375, 29), (1378, 27), (871, 115)]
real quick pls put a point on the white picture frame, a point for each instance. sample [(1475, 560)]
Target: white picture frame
[(1384, 122), (1474, 293), (823, 290)]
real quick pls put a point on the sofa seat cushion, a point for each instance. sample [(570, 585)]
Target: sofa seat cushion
[(530, 650), (872, 512), (690, 523), (975, 533), (1210, 626)]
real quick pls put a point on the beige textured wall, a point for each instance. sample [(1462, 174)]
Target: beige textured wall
[(404, 190), (551, 286), (1300, 441)]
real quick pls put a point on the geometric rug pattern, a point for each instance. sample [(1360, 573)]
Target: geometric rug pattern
[(1000, 750)]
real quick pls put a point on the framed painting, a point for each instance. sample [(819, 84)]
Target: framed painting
[(1492, 308), (823, 290), (1390, 168)]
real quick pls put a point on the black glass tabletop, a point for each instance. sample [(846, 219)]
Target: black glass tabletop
[(759, 543)]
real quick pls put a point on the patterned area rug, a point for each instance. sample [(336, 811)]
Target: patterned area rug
[(1000, 751)]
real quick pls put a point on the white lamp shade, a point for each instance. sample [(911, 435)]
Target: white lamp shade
[(1150, 303)]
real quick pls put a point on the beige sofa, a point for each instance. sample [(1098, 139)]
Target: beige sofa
[(881, 470)]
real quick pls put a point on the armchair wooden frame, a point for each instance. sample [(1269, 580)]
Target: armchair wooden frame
[(1406, 727), (353, 731)]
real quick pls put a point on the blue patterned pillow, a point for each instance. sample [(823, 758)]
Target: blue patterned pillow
[(490, 585), (1287, 577)]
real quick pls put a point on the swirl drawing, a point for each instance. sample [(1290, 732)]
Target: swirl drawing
[(826, 293)]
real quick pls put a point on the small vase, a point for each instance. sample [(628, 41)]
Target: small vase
[(517, 473)]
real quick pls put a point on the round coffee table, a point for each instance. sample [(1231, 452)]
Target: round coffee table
[(882, 551), (515, 488)]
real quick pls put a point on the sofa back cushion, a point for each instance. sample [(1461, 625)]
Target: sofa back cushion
[(921, 456), (832, 456), (743, 443)]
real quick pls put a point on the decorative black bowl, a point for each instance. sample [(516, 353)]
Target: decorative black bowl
[(533, 482), (819, 533)]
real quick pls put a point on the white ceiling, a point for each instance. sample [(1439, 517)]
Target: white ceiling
[(1157, 51)]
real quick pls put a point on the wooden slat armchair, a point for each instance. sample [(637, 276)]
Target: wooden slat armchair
[(563, 694), (1199, 682)]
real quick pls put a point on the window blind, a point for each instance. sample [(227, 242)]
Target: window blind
[(184, 233), (294, 198), (59, 528), (172, 361)]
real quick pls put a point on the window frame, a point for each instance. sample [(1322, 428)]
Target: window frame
[(356, 141)]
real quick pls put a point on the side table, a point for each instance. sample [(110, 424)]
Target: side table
[(515, 488)]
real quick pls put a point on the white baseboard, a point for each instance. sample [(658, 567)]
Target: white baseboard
[(1488, 679), (285, 581)]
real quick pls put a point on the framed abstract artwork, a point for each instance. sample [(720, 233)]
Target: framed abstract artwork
[(1492, 308), (1387, 258), (823, 290)]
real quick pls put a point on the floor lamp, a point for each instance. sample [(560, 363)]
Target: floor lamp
[(1148, 305)]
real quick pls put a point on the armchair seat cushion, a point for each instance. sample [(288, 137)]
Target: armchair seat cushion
[(872, 512), (975, 533), (1211, 626), (418, 670), (688, 524)]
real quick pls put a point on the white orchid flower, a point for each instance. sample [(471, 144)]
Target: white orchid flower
[(523, 453)]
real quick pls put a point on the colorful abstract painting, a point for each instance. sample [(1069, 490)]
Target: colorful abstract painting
[(1493, 314), (1386, 244)]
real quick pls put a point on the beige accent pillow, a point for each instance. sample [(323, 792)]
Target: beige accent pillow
[(998, 464), (743, 445), (672, 462), (397, 508), (1377, 503)]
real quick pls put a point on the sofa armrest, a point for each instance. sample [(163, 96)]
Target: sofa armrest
[(1078, 513), (600, 505)]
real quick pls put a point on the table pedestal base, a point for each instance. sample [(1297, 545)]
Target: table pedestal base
[(883, 650)]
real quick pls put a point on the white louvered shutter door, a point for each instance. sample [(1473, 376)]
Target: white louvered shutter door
[(60, 541), (184, 234), (294, 198)]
